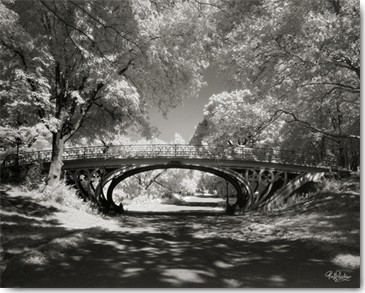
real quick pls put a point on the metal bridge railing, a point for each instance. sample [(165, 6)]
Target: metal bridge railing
[(174, 150)]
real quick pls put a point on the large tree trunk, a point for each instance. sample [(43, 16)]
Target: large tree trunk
[(55, 169), (343, 160), (355, 160)]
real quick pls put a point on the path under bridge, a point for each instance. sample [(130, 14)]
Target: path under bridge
[(260, 176)]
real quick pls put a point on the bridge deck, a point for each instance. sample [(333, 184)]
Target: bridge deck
[(176, 161), (234, 157)]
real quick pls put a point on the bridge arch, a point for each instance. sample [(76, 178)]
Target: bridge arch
[(244, 192), (260, 176)]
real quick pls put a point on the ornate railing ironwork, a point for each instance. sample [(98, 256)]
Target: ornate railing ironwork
[(174, 151)]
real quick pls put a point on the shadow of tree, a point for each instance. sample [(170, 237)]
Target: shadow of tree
[(25, 225), (283, 249), (330, 216), (167, 251)]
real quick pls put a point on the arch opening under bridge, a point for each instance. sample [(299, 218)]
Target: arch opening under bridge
[(259, 175), (244, 194)]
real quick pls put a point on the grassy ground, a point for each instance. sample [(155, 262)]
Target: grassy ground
[(48, 244)]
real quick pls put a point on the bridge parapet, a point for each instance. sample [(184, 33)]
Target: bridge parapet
[(174, 150)]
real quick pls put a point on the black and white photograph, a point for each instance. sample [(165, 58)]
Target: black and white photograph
[(174, 144)]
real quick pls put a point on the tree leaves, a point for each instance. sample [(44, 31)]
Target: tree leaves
[(78, 62), (236, 118), (300, 60)]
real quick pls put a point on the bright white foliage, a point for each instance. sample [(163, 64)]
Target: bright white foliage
[(304, 55), (237, 117), (178, 139), (106, 62), (297, 58)]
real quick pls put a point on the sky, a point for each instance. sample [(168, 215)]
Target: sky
[(184, 119)]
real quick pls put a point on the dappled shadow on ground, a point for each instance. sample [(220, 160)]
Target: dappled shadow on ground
[(291, 248), (174, 251), (24, 225), (332, 218)]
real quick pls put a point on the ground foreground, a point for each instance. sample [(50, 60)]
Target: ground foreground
[(47, 245)]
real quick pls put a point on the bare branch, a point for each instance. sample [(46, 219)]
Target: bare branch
[(315, 129), (339, 85), (153, 180), (108, 27), (84, 110), (93, 42), (17, 51), (348, 65)]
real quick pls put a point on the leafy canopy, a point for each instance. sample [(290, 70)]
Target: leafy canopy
[(297, 68), (93, 68)]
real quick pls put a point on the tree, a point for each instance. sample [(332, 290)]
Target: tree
[(304, 55), (178, 139), (237, 118), (160, 183), (211, 183), (92, 68)]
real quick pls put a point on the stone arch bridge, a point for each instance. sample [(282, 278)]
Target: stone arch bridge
[(261, 177)]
